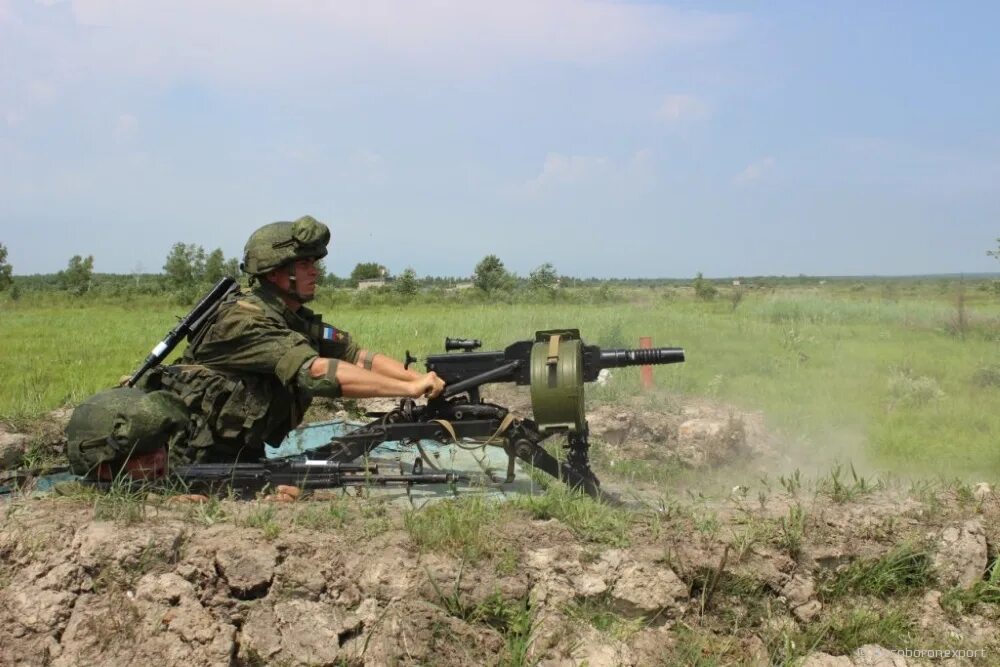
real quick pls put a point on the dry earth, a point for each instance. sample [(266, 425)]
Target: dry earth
[(824, 571)]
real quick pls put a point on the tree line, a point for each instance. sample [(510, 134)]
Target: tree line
[(188, 269)]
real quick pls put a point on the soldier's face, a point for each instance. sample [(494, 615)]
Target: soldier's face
[(305, 274)]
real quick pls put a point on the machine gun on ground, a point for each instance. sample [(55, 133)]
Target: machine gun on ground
[(247, 479), (555, 365)]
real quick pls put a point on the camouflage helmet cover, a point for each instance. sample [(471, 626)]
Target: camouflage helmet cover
[(280, 242)]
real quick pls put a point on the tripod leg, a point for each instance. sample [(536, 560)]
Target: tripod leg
[(573, 475), (578, 452)]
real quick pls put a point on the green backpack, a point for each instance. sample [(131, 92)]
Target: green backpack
[(114, 425)]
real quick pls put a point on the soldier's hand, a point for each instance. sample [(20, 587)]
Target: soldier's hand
[(284, 493), (428, 385)]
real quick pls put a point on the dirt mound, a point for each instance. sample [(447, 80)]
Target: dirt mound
[(835, 573), (837, 570), (43, 438)]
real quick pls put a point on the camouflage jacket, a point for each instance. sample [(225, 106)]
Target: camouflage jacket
[(238, 376)]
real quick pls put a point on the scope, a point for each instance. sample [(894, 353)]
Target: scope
[(464, 344)]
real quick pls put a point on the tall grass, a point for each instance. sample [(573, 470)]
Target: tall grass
[(838, 374)]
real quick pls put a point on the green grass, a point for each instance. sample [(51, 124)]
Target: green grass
[(515, 620), (905, 569), (791, 531), (841, 632), (325, 517), (461, 526), (264, 517), (871, 375), (588, 519), (599, 613), (961, 600)]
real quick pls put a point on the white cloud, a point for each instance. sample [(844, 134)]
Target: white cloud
[(368, 158), (681, 108), (125, 129), (288, 41), (6, 11), (560, 169), (755, 171)]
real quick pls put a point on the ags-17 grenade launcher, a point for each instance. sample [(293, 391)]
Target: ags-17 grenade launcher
[(555, 365)]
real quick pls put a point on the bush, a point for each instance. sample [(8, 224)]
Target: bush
[(987, 376), (905, 388), (703, 289)]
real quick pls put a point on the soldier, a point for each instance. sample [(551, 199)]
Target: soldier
[(248, 377)]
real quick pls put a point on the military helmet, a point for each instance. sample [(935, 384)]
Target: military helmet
[(281, 242)]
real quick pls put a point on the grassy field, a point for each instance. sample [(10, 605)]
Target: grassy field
[(898, 377)]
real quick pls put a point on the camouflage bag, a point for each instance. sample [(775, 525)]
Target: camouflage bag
[(117, 424)]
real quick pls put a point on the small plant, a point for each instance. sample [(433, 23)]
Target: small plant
[(452, 602), (736, 297), (712, 578), (744, 541), (264, 518), (696, 647), (124, 501), (586, 517), (905, 388), (792, 529), (507, 561), (903, 570), (515, 621), (792, 483), (961, 600), (329, 517), (958, 325), (375, 518), (208, 513), (846, 630), (707, 523), (704, 290), (460, 525), (841, 490), (987, 376), (599, 613)]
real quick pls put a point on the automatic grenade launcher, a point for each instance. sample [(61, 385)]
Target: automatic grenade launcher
[(555, 365)]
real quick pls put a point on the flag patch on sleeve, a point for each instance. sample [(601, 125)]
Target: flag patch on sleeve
[(331, 334)]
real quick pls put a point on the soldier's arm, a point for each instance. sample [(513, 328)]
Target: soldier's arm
[(385, 365), (329, 377)]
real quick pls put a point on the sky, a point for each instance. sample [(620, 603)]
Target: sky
[(612, 139)]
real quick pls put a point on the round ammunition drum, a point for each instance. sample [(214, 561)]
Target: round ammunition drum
[(557, 384)]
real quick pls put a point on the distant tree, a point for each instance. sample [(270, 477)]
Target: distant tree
[(368, 271), (491, 275), (215, 266), (231, 268), (703, 289), (406, 283), (185, 266), (544, 279), (995, 253), (78, 274), (5, 269)]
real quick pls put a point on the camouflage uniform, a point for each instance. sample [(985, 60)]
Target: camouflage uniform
[(244, 377), (239, 377), (244, 380)]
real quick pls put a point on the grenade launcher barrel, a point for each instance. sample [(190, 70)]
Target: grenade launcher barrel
[(469, 369)]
